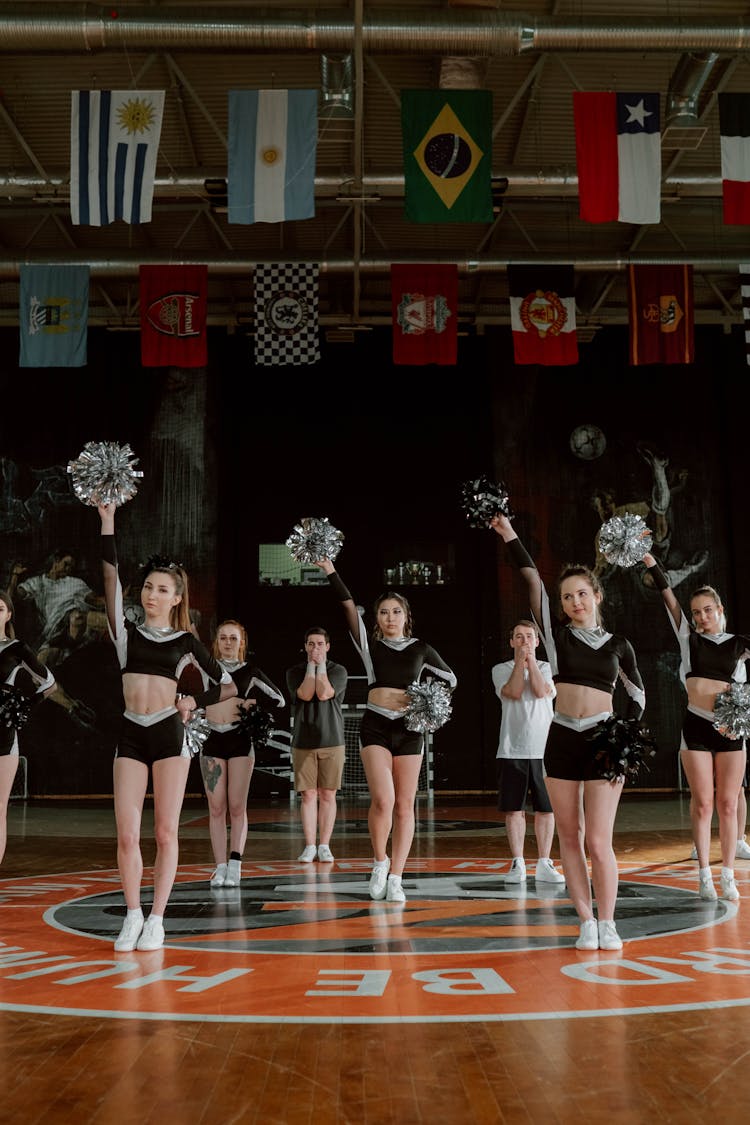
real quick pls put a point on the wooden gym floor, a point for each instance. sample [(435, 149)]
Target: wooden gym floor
[(296, 1000)]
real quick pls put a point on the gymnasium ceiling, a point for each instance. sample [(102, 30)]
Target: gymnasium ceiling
[(532, 57)]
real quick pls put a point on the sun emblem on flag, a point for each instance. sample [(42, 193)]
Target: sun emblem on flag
[(270, 155), (136, 115)]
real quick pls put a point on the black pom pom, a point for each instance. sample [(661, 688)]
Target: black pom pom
[(620, 747)]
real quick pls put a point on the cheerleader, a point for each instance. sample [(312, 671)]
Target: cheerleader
[(391, 754), (710, 660), (587, 662), (152, 656), (27, 681), (227, 758)]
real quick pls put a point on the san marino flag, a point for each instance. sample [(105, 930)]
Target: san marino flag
[(273, 140), (53, 315), (114, 142)]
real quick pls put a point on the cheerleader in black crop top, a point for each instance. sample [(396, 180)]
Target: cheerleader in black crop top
[(710, 660), (227, 758), (391, 754), (23, 674), (152, 656), (587, 664)]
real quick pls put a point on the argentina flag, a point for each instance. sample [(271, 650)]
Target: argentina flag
[(53, 315), (273, 139), (114, 142)]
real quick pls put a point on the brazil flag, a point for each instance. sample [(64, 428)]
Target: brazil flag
[(447, 137)]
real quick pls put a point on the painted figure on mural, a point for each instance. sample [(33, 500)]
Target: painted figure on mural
[(228, 755), (152, 739), (587, 662), (316, 688)]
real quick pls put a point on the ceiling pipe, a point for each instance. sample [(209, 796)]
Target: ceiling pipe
[(386, 183), (88, 28), (128, 267), (685, 88)]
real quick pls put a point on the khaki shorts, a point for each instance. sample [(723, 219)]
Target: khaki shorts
[(318, 769)]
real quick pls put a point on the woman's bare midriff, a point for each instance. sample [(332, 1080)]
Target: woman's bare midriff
[(224, 712), (702, 693), (145, 695), (580, 702), (392, 699)]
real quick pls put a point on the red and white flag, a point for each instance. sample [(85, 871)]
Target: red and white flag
[(424, 301), (618, 155), (174, 300), (543, 315), (734, 125)]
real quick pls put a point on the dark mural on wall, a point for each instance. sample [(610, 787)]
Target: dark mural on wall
[(234, 456)]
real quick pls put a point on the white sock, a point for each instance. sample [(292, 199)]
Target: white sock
[(704, 872), (156, 918), (727, 873), (137, 913)]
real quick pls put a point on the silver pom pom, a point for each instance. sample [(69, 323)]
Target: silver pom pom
[(314, 539), (732, 712), (429, 706), (197, 730), (104, 473), (624, 540)]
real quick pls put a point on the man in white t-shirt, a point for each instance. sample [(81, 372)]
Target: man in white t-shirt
[(525, 688)]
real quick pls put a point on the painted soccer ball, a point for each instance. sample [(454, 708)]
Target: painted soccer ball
[(588, 442)]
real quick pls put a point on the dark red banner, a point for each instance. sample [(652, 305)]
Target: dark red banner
[(425, 314), (660, 306), (173, 316)]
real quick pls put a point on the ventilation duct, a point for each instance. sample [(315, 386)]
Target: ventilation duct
[(337, 86), (682, 129)]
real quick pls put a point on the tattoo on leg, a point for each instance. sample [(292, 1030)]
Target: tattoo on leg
[(211, 770)]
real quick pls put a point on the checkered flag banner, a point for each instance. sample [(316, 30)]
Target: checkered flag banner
[(286, 314), (745, 290)]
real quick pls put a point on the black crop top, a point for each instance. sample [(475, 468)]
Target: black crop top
[(17, 657)]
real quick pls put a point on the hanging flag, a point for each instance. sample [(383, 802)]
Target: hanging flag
[(734, 126), (543, 315), (618, 155), (53, 315), (114, 142), (286, 314), (424, 302), (447, 140), (745, 291), (173, 301), (660, 308), (273, 137)]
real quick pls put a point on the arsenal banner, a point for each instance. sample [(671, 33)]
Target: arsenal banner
[(173, 316), (425, 314), (543, 315), (660, 306)]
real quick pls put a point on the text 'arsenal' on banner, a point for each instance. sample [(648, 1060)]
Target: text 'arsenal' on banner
[(174, 302), (425, 313), (447, 142)]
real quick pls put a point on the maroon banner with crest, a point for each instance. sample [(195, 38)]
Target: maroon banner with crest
[(425, 314), (173, 316), (660, 306)]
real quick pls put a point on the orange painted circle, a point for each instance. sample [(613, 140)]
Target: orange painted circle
[(304, 943)]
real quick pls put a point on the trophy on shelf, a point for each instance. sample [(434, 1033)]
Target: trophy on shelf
[(415, 570), (439, 575)]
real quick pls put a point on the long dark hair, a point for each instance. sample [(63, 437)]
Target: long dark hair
[(391, 595), (9, 630), (578, 570)]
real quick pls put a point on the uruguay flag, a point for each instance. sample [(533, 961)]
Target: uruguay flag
[(114, 142), (618, 154), (273, 139)]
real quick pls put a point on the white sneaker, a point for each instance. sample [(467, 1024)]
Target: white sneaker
[(308, 855), (325, 855), (546, 872), (379, 879), (729, 888), (125, 941), (219, 876), (706, 888), (394, 890), (233, 876), (517, 873), (694, 853), (608, 936), (589, 935), (743, 849), (152, 935)]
